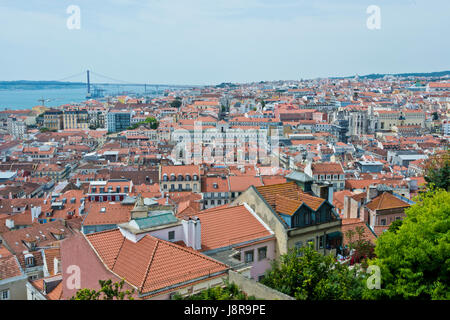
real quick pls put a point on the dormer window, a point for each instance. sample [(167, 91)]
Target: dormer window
[(165, 177), (188, 177), (94, 189), (29, 260), (195, 177), (126, 189), (180, 177), (172, 177), (117, 189)]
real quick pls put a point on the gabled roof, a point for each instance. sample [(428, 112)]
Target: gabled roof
[(269, 193), (386, 201), (151, 264), (285, 205), (291, 191), (226, 226), (9, 267)]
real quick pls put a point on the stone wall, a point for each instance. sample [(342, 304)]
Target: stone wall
[(253, 288)]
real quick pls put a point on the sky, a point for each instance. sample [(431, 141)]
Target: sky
[(213, 41)]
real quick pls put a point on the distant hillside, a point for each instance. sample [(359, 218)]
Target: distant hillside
[(27, 84), (437, 74)]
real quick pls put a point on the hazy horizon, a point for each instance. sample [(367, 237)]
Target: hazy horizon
[(205, 42)]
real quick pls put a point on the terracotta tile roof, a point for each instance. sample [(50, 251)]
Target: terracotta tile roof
[(352, 224), (183, 170), (289, 190), (41, 233), (208, 184), (311, 201), (242, 183), (328, 168), (151, 264), (107, 244), (9, 267), (50, 255), (55, 294), (114, 213), (222, 227), (386, 201), (286, 205)]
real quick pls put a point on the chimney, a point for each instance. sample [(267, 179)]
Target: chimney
[(9, 223), (330, 194), (55, 266), (191, 233), (198, 234), (185, 224)]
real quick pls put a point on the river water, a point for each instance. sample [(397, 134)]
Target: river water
[(14, 99)]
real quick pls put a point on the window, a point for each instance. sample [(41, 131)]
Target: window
[(171, 235), (4, 295), (248, 256), (262, 253), (29, 261), (180, 187), (307, 218), (321, 241), (383, 222), (219, 202), (94, 189)]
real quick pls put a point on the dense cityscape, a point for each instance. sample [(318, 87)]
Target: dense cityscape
[(175, 193), (224, 159)]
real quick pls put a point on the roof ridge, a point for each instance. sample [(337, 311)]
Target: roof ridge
[(193, 251), (118, 252), (141, 287)]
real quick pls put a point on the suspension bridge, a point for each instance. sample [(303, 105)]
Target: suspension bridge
[(104, 83)]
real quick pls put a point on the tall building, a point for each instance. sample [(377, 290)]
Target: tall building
[(53, 119), (17, 127), (76, 119), (118, 121)]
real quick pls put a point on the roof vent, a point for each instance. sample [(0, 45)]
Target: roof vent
[(103, 209)]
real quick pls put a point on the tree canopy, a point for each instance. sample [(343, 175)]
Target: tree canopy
[(151, 121), (230, 291), (414, 258), (176, 103), (438, 171), (108, 291), (307, 275)]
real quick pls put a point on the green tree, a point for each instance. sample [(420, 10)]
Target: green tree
[(438, 171), (415, 260), (108, 291), (363, 248), (307, 275), (395, 225), (176, 103), (230, 291)]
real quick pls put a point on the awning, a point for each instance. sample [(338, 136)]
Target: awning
[(336, 234)]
